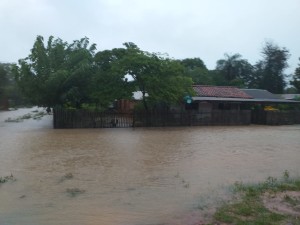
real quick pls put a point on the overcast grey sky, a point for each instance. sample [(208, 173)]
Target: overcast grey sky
[(181, 28)]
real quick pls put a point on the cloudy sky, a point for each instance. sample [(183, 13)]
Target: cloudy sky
[(181, 28)]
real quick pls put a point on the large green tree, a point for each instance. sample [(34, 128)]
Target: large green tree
[(160, 79), (109, 82), (196, 69), (3, 87), (296, 78), (3, 79), (8, 87), (270, 70), (56, 73)]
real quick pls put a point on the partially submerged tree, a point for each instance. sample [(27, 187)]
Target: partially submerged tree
[(159, 79), (56, 73), (3, 79), (9, 90), (109, 82), (62, 74)]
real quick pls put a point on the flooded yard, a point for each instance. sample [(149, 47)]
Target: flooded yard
[(132, 176)]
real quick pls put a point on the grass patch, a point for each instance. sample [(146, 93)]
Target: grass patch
[(249, 207), (248, 211), (6, 179)]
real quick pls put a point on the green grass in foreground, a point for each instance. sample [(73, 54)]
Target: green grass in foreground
[(249, 207)]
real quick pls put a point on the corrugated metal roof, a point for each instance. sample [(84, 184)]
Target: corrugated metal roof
[(260, 94)]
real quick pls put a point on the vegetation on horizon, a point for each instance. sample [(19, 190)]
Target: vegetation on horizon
[(74, 75), (71, 75), (9, 88)]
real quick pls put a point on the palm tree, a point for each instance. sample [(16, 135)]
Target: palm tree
[(229, 66), (234, 68)]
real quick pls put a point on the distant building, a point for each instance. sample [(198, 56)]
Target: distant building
[(290, 96)]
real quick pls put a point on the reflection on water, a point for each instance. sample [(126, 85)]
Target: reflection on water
[(131, 176)]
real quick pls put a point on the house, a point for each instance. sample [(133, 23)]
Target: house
[(218, 105), (233, 98), (241, 106), (209, 98), (211, 105)]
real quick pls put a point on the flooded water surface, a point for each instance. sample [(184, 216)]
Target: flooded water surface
[(138, 176)]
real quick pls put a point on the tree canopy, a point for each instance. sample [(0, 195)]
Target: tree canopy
[(235, 70), (61, 74), (160, 79), (3, 79), (270, 70), (58, 73), (267, 73), (8, 87), (197, 70)]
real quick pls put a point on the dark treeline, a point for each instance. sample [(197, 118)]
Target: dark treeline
[(9, 89), (57, 73), (233, 70)]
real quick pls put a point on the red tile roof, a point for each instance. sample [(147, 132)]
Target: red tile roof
[(219, 91)]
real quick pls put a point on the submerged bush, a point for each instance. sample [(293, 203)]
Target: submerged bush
[(6, 179)]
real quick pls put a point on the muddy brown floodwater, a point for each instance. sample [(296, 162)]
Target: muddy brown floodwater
[(130, 176)]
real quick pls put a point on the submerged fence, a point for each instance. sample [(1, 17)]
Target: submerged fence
[(216, 117), (63, 118), (276, 117)]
